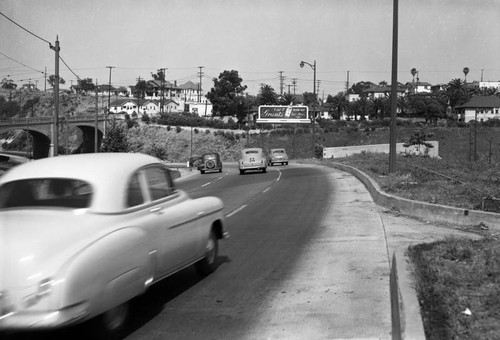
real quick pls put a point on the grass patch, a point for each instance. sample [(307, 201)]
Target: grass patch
[(453, 277), (439, 181)]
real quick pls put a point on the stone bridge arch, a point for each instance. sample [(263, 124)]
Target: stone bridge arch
[(41, 142), (88, 138)]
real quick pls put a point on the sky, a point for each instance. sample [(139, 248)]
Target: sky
[(350, 41)]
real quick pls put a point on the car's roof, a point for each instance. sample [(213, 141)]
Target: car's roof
[(93, 167), (251, 149), (278, 149), (107, 173)]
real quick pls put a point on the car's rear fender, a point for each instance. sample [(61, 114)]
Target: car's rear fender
[(112, 270)]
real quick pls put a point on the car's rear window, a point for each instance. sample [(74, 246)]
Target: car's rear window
[(278, 151), (251, 151), (46, 192)]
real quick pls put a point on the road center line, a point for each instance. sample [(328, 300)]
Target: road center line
[(236, 210)]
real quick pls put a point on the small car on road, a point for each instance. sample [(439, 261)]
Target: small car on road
[(82, 235), (252, 159), (277, 156), (210, 162)]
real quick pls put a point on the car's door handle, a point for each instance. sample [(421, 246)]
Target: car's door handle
[(201, 213), (157, 210)]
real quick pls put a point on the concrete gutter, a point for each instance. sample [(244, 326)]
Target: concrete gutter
[(405, 309)]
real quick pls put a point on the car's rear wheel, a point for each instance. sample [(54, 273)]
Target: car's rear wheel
[(111, 324), (264, 170), (206, 265), (202, 171), (242, 172)]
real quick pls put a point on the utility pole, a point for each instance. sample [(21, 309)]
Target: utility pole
[(45, 80), (55, 128), (294, 84), (109, 98), (281, 82), (138, 96), (161, 72), (201, 75), (347, 83), (394, 89), (96, 128)]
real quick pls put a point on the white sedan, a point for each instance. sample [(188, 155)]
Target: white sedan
[(82, 235)]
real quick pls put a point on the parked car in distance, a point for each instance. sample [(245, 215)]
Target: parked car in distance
[(277, 156), (252, 159), (210, 162), (82, 235)]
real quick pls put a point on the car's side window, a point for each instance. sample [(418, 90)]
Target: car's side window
[(134, 193), (160, 184)]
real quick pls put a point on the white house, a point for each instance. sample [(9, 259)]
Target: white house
[(423, 87), (384, 91), (480, 108), (490, 84)]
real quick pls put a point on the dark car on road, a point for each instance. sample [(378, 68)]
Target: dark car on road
[(210, 162)]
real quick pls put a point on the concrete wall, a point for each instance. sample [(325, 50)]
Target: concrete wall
[(344, 151)]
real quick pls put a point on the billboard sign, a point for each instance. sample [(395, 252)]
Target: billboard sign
[(282, 114)]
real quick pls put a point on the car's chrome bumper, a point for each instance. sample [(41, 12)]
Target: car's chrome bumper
[(255, 166), (43, 320)]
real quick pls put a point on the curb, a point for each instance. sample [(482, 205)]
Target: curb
[(426, 211), (405, 309)]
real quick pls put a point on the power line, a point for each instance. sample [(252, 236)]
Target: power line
[(33, 34), (16, 61), (69, 68)]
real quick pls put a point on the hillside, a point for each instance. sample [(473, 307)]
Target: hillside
[(70, 104)]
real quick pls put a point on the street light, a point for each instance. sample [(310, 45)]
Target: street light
[(313, 119)]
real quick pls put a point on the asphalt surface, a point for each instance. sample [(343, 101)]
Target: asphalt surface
[(309, 258)]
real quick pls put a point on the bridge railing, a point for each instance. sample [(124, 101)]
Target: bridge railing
[(17, 121)]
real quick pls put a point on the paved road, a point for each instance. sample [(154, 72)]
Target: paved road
[(308, 259)]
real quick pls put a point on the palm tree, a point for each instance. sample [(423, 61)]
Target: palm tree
[(339, 103), (466, 71), (267, 96), (403, 104), (457, 92), (413, 73), (288, 99)]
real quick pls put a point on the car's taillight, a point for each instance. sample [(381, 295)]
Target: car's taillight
[(44, 289)]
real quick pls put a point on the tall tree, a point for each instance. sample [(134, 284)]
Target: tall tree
[(85, 85), (8, 84), (457, 92), (413, 72), (141, 88), (52, 80), (226, 94), (267, 95), (339, 104), (288, 99), (466, 72)]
